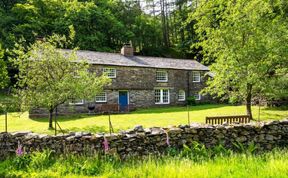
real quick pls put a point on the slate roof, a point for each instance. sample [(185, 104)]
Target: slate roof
[(117, 59)]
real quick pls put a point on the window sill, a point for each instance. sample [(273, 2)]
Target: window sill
[(162, 103), (76, 104)]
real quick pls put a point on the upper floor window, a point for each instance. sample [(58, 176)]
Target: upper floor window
[(181, 95), (197, 97), (76, 102), (196, 76), (110, 72), (101, 97), (162, 96), (161, 76)]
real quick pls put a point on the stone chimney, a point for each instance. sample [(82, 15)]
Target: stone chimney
[(127, 50)]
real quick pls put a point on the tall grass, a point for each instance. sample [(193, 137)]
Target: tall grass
[(195, 161)]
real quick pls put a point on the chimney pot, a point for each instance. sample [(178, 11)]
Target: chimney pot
[(127, 50)]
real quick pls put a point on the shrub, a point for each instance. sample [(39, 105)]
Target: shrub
[(191, 100)]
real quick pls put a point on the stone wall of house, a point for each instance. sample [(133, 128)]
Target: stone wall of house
[(139, 141), (142, 78), (140, 82)]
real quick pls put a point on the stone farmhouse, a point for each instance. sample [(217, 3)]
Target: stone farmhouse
[(140, 82)]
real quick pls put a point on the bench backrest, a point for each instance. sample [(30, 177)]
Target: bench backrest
[(228, 119), (114, 108), (109, 108)]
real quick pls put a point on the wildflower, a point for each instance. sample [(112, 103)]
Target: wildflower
[(106, 145), (19, 150)]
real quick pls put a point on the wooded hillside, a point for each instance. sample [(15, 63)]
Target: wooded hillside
[(155, 27)]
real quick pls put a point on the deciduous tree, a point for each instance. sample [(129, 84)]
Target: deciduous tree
[(248, 40), (49, 77)]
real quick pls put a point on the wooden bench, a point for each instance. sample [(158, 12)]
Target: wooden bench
[(109, 108), (115, 108), (228, 119)]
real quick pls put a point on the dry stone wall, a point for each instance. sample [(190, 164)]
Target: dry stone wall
[(139, 141)]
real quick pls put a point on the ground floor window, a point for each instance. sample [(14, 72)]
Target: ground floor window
[(181, 95), (76, 102), (162, 96), (197, 97), (101, 97)]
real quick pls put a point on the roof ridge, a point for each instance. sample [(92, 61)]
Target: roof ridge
[(136, 55), (108, 58)]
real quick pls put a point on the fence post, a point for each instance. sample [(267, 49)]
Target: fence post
[(6, 120), (55, 120), (110, 124), (259, 110), (188, 114)]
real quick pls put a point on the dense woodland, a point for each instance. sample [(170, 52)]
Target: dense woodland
[(155, 27)]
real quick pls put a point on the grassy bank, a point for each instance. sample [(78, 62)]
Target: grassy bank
[(146, 117), (183, 164)]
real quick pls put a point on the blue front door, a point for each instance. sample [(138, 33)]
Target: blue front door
[(123, 100)]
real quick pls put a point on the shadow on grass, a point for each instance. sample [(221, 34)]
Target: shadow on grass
[(155, 110), (281, 108), (178, 109)]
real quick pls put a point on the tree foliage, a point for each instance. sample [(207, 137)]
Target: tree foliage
[(248, 39), (4, 79), (102, 25), (99, 25), (49, 76)]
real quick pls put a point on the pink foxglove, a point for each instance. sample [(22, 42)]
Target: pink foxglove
[(106, 145)]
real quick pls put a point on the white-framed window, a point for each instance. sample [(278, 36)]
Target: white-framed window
[(76, 102), (162, 96), (196, 77), (101, 97), (161, 76), (197, 97), (110, 72), (181, 95)]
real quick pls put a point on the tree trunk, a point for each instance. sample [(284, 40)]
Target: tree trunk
[(50, 118), (248, 100)]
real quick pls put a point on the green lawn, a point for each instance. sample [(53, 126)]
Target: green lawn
[(147, 117)]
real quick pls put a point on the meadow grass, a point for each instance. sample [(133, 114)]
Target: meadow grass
[(151, 117), (269, 164)]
